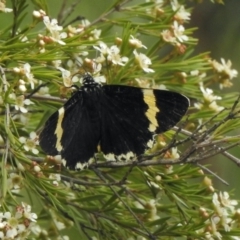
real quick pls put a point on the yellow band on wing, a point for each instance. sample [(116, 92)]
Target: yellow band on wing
[(152, 111), (59, 130)]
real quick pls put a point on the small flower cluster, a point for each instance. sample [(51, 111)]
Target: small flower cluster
[(209, 100), (14, 182), (175, 35), (225, 216), (108, 56), (26, 76), (111, 55), (224, 72), (25, 79), (181, 14), (20, 102), (29, 144), (56, 32), (17, 225)]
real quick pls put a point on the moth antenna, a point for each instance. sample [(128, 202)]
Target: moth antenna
[(36, 90)]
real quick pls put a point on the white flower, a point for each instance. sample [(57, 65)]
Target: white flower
[(85, 22), (57, 63), (152, 206), (222, 204), (30, 143), (216, 204), (178, 31), (168, 36), (74, 31), (59, 225), (111, 54), (143, 61), (3, 7), (227, 202), (28, 74), (54, 29), (11, 226), (51, 25), (95, 34), (208, 94), (224, 67), (20, 101), (215, 233), (26, 212), (44, 91), (181, 13), (14, 181), (56, 178), (26, 71), (39, 14), (100, 79), (97, 67), (11, 233), (66, 75), (36, 229), (103, 48), (174, 153), (198, 74), (232, 73), (225, 72), (209, 99), (136, 43), (213, 105), (114, 56)]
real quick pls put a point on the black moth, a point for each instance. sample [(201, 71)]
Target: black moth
[(122, 120)]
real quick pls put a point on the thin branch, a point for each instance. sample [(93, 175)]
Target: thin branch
[(30, 95), (219, 150), (99, 174), (80, 182), (103, 16), (232, 158), (137, 230), (64, 12), (212, 173), (47, 98)]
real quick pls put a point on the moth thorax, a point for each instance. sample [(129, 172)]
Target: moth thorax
[(88, 80), (91, 87)]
